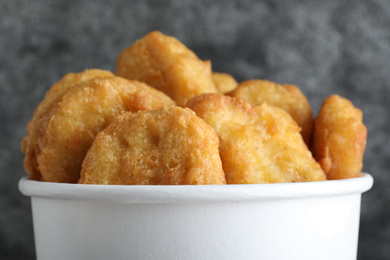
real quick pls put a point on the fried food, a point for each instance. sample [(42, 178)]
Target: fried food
[(66, 130), (286, 97), (339, 138), (224, 82), (254, 132), (28, 142), (259, 144), (166, 64), (166, 146)]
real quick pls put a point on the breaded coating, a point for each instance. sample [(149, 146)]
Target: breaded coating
[(166, 64), (339, 138), (259, 144), (169, 146), (66, 130), (224, 82), (286, 97), (28, 142)]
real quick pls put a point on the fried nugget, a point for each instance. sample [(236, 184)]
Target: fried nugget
[(167, 146), (66, 130), (259, 144), (166, 64), (286, 97), (224, 82), (28, 142), (339, 138)]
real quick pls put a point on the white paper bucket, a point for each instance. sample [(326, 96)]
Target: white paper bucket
[(316, 220)]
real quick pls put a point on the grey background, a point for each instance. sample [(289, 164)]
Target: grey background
[(324, 47)]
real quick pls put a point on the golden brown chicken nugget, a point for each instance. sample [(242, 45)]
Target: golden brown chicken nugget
[(166, 64), (259, 144), (167, 146), (69, 80), (66, 130), (224, 82), (339, 138), (286, 97)]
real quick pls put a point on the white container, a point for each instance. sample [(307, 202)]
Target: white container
[(316, 220)]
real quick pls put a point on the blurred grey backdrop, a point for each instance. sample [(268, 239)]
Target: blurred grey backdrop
[(324, 47)]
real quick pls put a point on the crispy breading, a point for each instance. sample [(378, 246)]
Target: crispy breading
[(259, 144), (167, 146), (28, 142), (287, 97), (166, 64), (224, 82), (66, 130), (339, 138)]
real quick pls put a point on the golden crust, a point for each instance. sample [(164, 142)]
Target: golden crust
[(166, 64), (68, 81), (259, 144), (339, 138), (167, 146), (286, 97), (224, 82), (67, 128)]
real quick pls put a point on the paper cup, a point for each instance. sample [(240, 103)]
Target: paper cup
[(316, 220)]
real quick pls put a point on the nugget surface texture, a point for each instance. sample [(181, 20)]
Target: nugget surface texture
[(339, 138), (167, 146), (166, 64), (29, 141), (286, 97), (224, 82), (259, 144), (66, 130)]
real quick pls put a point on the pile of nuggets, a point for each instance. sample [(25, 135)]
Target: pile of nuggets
[(164, 118)]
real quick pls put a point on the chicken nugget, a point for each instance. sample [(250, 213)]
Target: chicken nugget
[(66, 130), (224, 82), (286, 97), (259, 144), (167, 146), (69, 80), (339, 138), (166, 64)]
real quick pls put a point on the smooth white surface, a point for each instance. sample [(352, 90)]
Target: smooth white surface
[(278, 221), (193, 193)]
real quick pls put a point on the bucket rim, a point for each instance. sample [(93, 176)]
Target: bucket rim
[(194, 193)]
